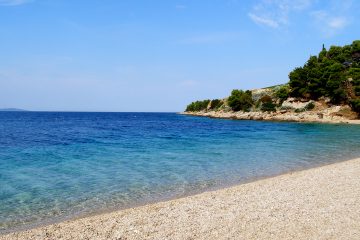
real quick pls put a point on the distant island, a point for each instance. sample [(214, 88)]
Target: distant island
[(325, 89), (12, 110)]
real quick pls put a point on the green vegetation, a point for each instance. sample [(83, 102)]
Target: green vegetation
[(268, 107), (267, 104), (215, 104), (203, 105), (333, 74), (308, 107), (355, 104), (299, 110), (283, 93), (197, 106), (240, 100), (274, 87)]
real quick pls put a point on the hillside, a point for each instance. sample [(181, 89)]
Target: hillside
[(326, 86)]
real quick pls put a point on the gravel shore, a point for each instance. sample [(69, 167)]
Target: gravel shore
[(319, 203)]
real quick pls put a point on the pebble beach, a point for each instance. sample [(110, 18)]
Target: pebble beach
[(319, 203)]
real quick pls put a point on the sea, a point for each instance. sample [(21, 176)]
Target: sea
[(60, 165)]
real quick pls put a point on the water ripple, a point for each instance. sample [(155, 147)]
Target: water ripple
[(55, 165)]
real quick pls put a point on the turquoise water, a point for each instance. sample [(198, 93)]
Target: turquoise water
[(56, 165)]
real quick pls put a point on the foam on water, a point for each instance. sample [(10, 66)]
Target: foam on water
[(55, 165)]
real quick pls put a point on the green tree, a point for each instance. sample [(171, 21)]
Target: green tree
[(355, 104), (215, 104), (282, 93), (197, 106), (240, 100), (298, 82), (335, 53), (336, 92), (323, 53), (316, 85), (325, 75), (267, 104), (355, 46)]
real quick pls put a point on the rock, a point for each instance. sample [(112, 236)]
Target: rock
[(321, 113), (293, 103)]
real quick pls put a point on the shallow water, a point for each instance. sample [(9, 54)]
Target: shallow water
[(55, 165)]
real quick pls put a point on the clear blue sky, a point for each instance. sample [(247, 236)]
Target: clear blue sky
[(159, 55)]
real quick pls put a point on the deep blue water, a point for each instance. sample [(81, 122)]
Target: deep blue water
[(54, 165)]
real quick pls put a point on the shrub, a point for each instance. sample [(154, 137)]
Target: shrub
[(309, 106), (197, 106), (216, 104), (265, 98), (257, 104), (357, 90), (286, 108), (267, 104), (355, 105), (282, 93), (268, 107), (240, 100), (299, 110)]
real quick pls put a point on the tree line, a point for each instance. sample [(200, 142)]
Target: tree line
[(333, 73)]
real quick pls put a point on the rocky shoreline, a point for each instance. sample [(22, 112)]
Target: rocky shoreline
[(330, 115), (290, 110)]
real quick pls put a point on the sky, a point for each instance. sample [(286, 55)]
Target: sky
[(158, 55)]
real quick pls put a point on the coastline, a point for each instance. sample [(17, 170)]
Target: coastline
[(304, 117), (320, 203)]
